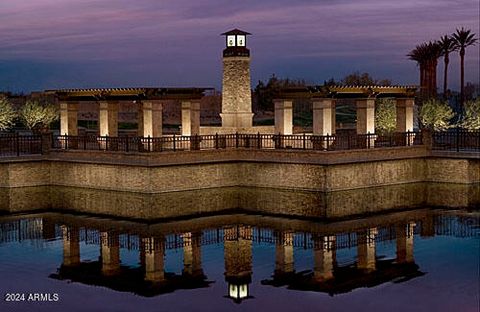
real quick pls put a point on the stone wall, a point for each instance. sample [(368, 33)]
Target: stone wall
[(305, 183)]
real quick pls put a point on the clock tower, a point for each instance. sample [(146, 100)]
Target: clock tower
[(236, 92)]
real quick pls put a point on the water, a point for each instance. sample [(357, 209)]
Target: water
[(421, 260)]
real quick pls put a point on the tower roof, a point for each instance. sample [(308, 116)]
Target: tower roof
[(235, 31)]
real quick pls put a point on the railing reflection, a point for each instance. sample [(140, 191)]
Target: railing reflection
[(238, 234)]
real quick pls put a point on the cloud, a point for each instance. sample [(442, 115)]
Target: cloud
[(162, 33)]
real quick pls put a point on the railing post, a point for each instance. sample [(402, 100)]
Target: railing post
[(106, 143), (126, 143), (304, 141), (348, 141), (174, 147), (17, 141), (458, 139), (368, 139), (259, 143), (236, 139), (149, 143), (84, 142), (216, 140)]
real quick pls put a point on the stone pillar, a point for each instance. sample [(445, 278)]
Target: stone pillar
[(154, 251), (190, 118), (366, 120), (71, 246), (334, 117), (365, 116), (238, 260), (68, 118), (108, 118), (323, 116), (110, 253), (428, 226), (192, 254), (405, 243), (151, 119), (366, 249), (404, 108), (236, 92), (284, 261), (283, 117), (324, 257)]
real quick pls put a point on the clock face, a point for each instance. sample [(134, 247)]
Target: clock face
[(230, 41), (241, 40)]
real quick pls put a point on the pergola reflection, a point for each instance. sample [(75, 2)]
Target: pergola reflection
[(238, 234)]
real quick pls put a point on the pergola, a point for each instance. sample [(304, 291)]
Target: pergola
[(149, 101), (324, 97)]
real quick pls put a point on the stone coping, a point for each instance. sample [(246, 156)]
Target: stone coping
[(238, 155)]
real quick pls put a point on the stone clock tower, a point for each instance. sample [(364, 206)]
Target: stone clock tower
[(236, 93)]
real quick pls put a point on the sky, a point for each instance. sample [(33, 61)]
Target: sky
[(52, 44)]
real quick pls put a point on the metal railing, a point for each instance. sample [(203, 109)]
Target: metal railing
[(16, 145), (237, 140), (457, 139)]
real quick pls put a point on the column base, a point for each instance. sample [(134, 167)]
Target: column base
[(239, 120)]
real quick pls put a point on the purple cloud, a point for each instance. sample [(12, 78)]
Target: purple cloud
[(177, 42)]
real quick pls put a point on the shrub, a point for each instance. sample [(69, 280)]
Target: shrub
[(37, 116), (385, 116), (436, 115), (7, 114), (471, 115)]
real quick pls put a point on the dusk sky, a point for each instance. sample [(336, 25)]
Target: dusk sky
[(49, 44)]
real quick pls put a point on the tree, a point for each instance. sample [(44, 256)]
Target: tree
[(266, 92), (7, 114), (426, 55), (463, 38), (385, 116), (471, 115), (448, 45), (436, 115), (363, 79), (37, 116)]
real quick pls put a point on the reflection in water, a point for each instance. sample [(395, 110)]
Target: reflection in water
[(238, 234)]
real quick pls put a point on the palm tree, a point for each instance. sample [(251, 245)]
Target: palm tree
[(463, 38), (433, 51), (448, 45), (419, 55), (426, 55)]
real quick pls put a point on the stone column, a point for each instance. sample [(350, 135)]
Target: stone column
[(323, 123), (366, 249), (283, 117), (323, 116), (428, 226), (334, 117), (404, 108), (71, 246), (68, 118), (236, 93), (151, 119), (108, 118), (284, 261), (190, 118), (405, 243), (366, 119), (154, 251), (110, 253), (324, 257), (238, 260), (192, 254)]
